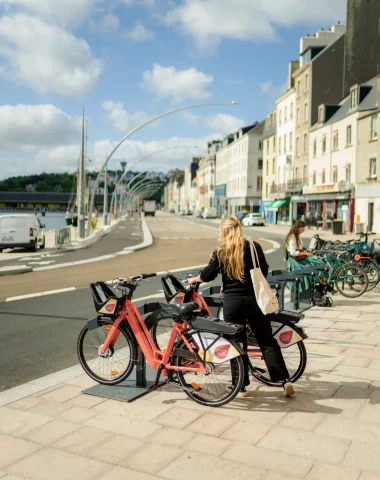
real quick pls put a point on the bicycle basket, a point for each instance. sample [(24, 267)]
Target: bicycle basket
[(105, 301)]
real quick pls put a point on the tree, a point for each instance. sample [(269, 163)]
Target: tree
[(42, 187), (58, 188)]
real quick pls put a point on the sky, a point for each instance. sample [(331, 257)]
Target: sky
[(127, 61)]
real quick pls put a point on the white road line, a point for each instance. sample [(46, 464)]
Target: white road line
[(72, 264), (275, 244), (271, 250), (194, 267), (162, 273), (40, 294), (124, 252)]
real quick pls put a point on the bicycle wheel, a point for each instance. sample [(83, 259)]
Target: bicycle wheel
[(295, 358), (350, 280), (213, 391), (161, 331), (372, 271), (116, 364)]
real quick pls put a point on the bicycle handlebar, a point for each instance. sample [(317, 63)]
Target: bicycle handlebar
[(125, 281)]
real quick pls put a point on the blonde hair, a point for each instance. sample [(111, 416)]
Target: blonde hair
[(230, 251)]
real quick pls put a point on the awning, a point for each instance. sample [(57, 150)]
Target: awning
[(270, 205), (278, 204)]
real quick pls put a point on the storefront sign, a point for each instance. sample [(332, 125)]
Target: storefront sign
[(332, 187)]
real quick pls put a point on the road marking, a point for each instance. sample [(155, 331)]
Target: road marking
[(47, 262), (271, 250), (275, 244), (162, 273), (40, 294), (124, 252), (196, 267), (72, 264)]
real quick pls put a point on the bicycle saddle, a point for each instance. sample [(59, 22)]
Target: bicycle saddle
[(183, 308)]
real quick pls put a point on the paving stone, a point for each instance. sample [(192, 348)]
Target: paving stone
[(323, 348), (51, 432), (307, 444), (10, 476), (86, 401), (82, 440), (316, 386), (358, 362), (83, 381), (120, 473), (151, 458), (354, 430), (302, 420), (370, 414), (113, 450), (121, 425), (324, 471), (211, 424), (16, 422), (64, 393), (357, 372), (143, 410), (362, 353), (363, 455), (14, 449), (278, 476), (25, 403), (50, 408), (171, 436), (77, 414), (49, 463), (192, 465), (204, 443), (178, 417), (264, 459), (375, 363), (369, 476), (247, 432)]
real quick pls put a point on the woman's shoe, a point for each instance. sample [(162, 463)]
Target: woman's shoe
[(288, 389), (242, 394)]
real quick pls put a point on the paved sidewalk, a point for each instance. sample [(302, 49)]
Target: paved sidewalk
[(329, 430)]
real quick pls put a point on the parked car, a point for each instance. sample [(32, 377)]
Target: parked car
[(252, 219), (241, 215), (209, 213), (188, 212), (21, 231), (172, 210)]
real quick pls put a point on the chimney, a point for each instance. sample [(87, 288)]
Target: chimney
[(294, 65)]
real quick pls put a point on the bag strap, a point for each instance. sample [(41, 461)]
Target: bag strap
[(254, 255)]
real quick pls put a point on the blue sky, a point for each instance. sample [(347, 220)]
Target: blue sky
[(129, 60)]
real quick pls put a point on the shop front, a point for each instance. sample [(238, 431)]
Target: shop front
[(243, 204), (221, 202), (280, 211)]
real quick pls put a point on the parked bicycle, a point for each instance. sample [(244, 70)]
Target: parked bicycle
[(201, 354), (289, 336)]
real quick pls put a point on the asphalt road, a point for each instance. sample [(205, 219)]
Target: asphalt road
[(126, 234), (38, 335)]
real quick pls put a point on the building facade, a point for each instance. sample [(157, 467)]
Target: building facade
[(206, 176), (269, 167)]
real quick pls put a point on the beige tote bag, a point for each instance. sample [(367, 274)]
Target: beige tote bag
[(265, 297)]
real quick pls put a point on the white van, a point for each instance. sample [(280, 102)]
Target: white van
[(21, 231), (209, 213)]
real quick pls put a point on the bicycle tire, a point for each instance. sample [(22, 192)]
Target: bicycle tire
[(359, 271), (226, 395), (373, 273), (115, 378)]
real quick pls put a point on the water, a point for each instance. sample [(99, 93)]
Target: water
[(52, 220)]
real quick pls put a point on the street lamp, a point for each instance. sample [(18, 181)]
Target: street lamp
[(96, 184), (113, 199), (148, 187)]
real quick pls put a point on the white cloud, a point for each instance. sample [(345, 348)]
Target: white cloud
[(209, 21), (107, 24), (47, 57), (221, 124), (66, 12), (30, 127), (272, 90), (144, 3), (121, 119), (180, 85), (138, 33)]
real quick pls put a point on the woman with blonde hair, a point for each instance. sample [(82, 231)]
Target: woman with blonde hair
[(232, 258)]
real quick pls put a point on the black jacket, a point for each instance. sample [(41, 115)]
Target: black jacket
[(233, 286)]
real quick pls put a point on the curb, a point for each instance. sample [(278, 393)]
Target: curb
[(147, 236)]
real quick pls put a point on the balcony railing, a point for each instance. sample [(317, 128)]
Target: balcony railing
[(281, 188), (294, 185)]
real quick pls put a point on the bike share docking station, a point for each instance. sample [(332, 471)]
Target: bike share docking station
[(142, 378)]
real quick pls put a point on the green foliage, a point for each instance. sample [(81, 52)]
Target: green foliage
[(45, 182)]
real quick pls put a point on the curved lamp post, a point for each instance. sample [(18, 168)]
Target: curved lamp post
[(137, 190), (144, 189), (97, 181), (113, 199)]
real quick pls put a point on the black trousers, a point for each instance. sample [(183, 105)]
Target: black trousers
[(241, 309)]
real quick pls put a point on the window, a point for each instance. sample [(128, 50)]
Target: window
[(286, 114), (274, 118), (267, 167), (314, 178), (268, 121), (374, 131), (320, 114), (291, 110), (354, 98), (335, 141), (274, 144), (306, 82), (274, 166), (304, 174), (266, 190), (372, 168), (280, 117), (306, 112), (348, 173), (324, 145), (298, 116), (323, 176), (296, 173), (260, 164), (285, 143), (305, 143), (315, 148), (259, 183), (290, 141), (335, 175), (298, 88), (349, 135), (279, 145), (267, 146), (297, 146), (260, 145), (278, 175)]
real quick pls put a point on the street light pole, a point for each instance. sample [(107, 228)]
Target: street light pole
[(105, 207), (82, 188), (170, 112)]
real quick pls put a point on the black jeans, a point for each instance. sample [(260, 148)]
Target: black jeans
[(238, 310)]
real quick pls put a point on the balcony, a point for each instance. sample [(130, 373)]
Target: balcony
[(294, 185), (281, 188)]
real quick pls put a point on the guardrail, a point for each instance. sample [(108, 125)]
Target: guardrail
[(63, 237)]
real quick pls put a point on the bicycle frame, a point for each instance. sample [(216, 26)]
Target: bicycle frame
[(155, 357)]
